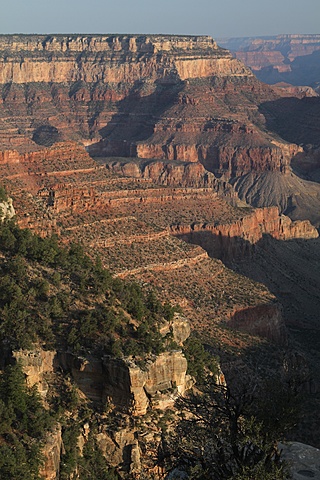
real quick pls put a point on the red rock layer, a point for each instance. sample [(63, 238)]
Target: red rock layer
[(237, 239)]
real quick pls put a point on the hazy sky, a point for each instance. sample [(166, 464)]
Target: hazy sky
[(211, 17)]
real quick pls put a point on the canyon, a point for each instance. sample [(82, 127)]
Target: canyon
[(170, 98), (164, 156)]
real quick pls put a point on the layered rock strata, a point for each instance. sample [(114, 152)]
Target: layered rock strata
[(111, 58), (129, 91), (174, 98)]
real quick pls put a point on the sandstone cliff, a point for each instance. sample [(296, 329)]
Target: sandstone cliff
[(128, 386)]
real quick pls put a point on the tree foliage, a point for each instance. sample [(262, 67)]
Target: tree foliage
[(78, 304), (23, 422), (225, 434)]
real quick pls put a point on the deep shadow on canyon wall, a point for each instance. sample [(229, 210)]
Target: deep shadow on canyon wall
[(295, 120), (135, 119), (290, 269)]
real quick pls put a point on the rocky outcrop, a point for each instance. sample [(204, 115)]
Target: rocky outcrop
[(179, 327), (51, 451), (134, 384), (303, 460), (120, 448), (157, 383), (6, 209), (130, 385), (37, 364)]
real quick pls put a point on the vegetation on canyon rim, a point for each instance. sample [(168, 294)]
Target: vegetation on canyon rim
[(60, 298)]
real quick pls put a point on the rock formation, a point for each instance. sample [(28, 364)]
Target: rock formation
[(111, 58), (52, 449), (75, 110), (156, 384), (303, 460), (131, 384), (37, 365)]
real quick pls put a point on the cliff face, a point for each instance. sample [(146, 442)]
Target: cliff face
[(112, 58), (127, 384), (157, 384), (172, 174), (168, 97), (264, 320), (238, 238)]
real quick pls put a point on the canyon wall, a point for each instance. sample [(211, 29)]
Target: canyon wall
[(173, 98), (262, 320), (167, 97)]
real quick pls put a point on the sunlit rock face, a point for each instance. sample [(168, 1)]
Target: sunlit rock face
[(112, 58)]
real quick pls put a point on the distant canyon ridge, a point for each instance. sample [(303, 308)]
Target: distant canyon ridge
[(293, 59)]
